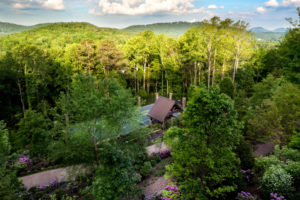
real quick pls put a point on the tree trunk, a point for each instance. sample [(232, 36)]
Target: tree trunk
[(135, 81), (144, 80), (209, 66), (21, 98), (236, 64), (214, 67), (223, 69), (156, 83), (95, 145), (148, 80), (162, 81), (27, 88), (199, 72), (195, 73), (167, 86)]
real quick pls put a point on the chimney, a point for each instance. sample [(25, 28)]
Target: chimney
[(139, 101), (183, 102)]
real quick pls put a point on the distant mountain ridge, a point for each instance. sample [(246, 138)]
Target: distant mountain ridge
[(173, 29), (263, 30), (8, 28)]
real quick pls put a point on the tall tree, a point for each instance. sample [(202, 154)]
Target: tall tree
[(110, 57), (243, 42), (204, 165), (94, 111), (86, 53)]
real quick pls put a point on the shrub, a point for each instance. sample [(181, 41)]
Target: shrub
[(245, 152), (284, 153), (155, 159), (276, 179), (146, 169), (171, 192), (263, 163), (142, 93), (226, 87), (295, 141), (115, 177), (293, 168)]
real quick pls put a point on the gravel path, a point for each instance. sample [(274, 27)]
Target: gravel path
[(155, 148), (46, 177), (157, 187)]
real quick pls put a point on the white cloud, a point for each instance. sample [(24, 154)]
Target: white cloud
[(145, 7), (42, 4), (260, 10), (230, 13), (193, 20), (271, 3), (54, 5), (221, 7), (288, 3), (284, 3), (212, 7)]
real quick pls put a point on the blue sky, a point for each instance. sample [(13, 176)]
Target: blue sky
[(270, 14)]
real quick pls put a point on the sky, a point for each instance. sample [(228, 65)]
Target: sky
[(269, 14)]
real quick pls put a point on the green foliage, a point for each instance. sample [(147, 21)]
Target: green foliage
[(284, 153), (204, 163), (275, 113), (9, 182), (290, 49), (279, 173), (115, 177), (226, 87), (295, 141), (276, 180), (245, 152), (33, 134), (92, 113), (146, 169)]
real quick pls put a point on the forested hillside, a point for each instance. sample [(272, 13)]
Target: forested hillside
[(8, 28), (69, 97)]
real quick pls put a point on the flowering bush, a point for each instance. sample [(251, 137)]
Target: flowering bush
[(163, 154), (171, 193), (245, 196), (276, 197), (24, 160)]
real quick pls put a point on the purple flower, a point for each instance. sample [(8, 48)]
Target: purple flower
[(276, 197), (42, 187), (24, 159), (53, 183), (163, 154)]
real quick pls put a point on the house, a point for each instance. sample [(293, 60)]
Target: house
[(163, 109)]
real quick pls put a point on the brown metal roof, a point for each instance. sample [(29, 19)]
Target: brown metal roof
[(162, 109)]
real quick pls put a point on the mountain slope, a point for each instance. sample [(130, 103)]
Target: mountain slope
[(259, 30), (173, 29), (60, 35)]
